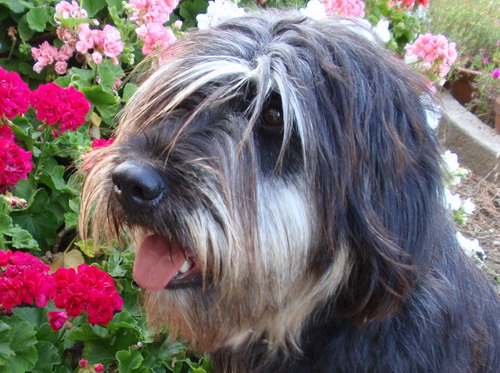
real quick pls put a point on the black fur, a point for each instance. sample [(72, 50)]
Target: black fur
[(413, 302)]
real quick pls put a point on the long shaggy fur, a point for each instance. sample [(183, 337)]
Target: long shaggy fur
[(323, 243)]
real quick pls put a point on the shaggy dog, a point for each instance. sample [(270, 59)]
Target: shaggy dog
[(284, 192)]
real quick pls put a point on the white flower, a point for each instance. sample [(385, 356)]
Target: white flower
[(381, 30), (314, 9), (453, 201), (471, 247), (217, 12), (468, 206), (433, 113), (409, 60), (451, 161)]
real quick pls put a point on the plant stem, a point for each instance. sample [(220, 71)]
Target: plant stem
[(42, 147)]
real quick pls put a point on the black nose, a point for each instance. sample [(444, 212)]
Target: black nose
[(138, 184)]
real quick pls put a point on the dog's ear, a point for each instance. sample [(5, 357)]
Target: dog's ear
[(377, 183)]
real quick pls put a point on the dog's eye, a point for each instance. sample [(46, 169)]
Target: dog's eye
[(273, 116)]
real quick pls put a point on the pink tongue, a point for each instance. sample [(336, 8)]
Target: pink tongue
[(157, 262)]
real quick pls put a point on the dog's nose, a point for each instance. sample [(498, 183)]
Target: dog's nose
[(138, 184)]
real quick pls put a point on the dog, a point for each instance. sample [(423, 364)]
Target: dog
[(284, 192)]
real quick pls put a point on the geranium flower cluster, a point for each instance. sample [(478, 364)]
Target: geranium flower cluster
[(345, 8), (26, 280), (94, 44), (106, 42), (66, 107), (46, 55), (89, 290), (15, 162), (150, 15), (13, 94), (433, 54)]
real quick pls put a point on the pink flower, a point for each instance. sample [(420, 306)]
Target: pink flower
[(85, 38), (345, 8), (97, 57), (155, 36), (57, 319), (67, 10), (14, 94), (61, 67), (98, 367), (112, 44), (152, 11), (495, 74), (45, 54), (65, 106), (434, 54), (83, 363), (102, 143)]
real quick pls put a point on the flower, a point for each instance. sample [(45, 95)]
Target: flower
[(47, 54), (57, 319), (66, 107), (14, 94), (102, 143), (381, 30), (217, 12), (66, 10), (83, 363), (24, 279), (89, 290), (345, 8), (314, 9), (15, 162), (433, 54), (98, 368), (112, 45), (151, 11), (471, 247), (155, 36), (468, 206), (495, 74)]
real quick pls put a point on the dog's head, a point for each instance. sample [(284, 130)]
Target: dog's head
[(272, 166)]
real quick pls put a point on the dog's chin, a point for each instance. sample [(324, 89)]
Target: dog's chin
[(165, 264)]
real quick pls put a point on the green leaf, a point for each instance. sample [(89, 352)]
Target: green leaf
[(22, 239), (128, 91), (190, 9), (37, 18), (98, 97), (93, 6), (13, 5), (48, 355), (39, 220), (35, 316), (24, 29), (21, 340), (84, 74), (129, 361)]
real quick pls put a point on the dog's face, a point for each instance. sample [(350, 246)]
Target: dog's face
[(258, 173)]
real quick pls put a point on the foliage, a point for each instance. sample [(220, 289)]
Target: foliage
[(69, 72), (472, 24)]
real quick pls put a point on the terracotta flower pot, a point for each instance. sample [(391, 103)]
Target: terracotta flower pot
[(497, 114), (461, 86)]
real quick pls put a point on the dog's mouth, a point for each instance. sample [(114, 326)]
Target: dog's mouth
[(161, 263)]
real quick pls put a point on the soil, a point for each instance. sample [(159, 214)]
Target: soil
[(484, 224)]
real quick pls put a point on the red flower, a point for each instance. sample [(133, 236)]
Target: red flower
[(57, 319), (24, 279), (14, 94), (15, 162), (90, 290), (102, 143), (54, 104), (99, 368)]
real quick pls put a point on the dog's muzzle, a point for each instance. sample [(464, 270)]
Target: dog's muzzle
[(138, 185)]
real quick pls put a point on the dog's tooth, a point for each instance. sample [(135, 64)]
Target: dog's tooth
[(185, 266)]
